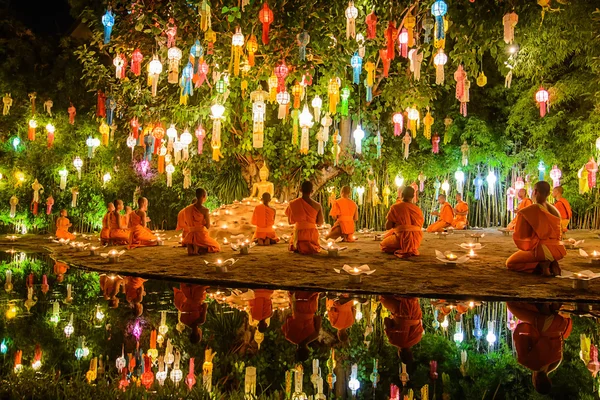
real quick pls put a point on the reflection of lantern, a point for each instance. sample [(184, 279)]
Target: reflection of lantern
[(265, 15), (358, 135), (555, 175), (351, 14), (174, 55), (398, 120), (541, 97), (460, 180), (440, 60), (354, 383), (356, 63), (306, 122)]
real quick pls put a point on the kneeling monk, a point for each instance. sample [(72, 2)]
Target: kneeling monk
[(303, 326), (261, 307), (197, 221), (537, 235), (264, 219), (341, 314), (446, 216), (461, 210), (524, 202), (563, 207), (345, 212), (404, 223), (62, 226), (139, 234), (119, 234), (404, 328), (105, 232), (306, 214)]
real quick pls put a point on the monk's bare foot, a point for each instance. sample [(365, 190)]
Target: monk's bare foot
[(260, 242), (555, 268), (192, 250), (545, 267), (201, 250)]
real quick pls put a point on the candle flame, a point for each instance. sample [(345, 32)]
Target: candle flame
[(219, 261), (355, 270)]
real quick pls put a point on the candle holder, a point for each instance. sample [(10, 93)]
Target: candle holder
[(355, 273), (581, 280), (450, 258), (594, 256), (94, 251), (220, 266), (471, 254), (12, 238), (505, 232), (573, 244), (113, 256), (471, 246), (441, 235), (243, 247), (581, 284), (332, 249), (475, 236), (79, 246)]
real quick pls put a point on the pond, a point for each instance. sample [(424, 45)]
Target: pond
[(70, 333)]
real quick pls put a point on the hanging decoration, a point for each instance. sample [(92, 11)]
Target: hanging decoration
[(491, 182), (217, 111), (478, 182), (258, 98), (390, 37), (542, 98), (78, 164), (459, 176), (358, 136), (63, 173), (427, 24), (7, 101), (435, 143), (48, 104), (185, 140), (111, 106), (406, 141), (31, 129), (316, 104), (465, 154), (171, 33), (200, 135), (541, 170), (592, 169), (50, 131), (211, 38), (92, 143), (306, 122), (427, 123), (104, 130), (251, 47), (170, 169), (383, 55), (403, 43), (462, 89), (136, 62), (410, 22), (174, 55), (265, 16), (171, 137), (414, 120), (481, 79), (237, 44), (360, 191), (74, 194), (207, 369), (295, 125), (510, 199), (356, 63), (108, 20), (416, 59), (162, 159), (119, 64), (101, 105), (370, 81), (205, 15), (345, 95), (49, 204), (351, 14), (323, 135), (272, 83), (281, 72), (398, 120), (333, 90), (32, 97), (422, 178), (13, 205), (186, 83), (555, 175), (509, 21), (439, 10), (440, 60), (371, 22), (72, 111), (283, 99), (445, 187), (303, 39), (297, 92)]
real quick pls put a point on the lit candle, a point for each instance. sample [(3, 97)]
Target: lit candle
[(451, 256), (472, 254), (224, 226), (113, 256), (225, 241), (580, 282), (219, 261), (93, 251)]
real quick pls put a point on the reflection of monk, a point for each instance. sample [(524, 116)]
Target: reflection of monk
[(197, 221), (303, 326), (110, 285), (140, 235), (404, 223), (134, 293), (345, 212), (105, 232), (537, 235), (445, 215), (445, 309), (341, 314), (524, 202), (538, 340), (461, 210), (306, 214), (190, 299), (119, 234), (60, 269), (264, 186), (261, 308), (263, 218), (404, 328)]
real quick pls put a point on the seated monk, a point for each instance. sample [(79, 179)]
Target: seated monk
[(197, 221), (62, 226), (404, 328), (263, 218), (563, 207), (524, 202), (404, 223), (110, 285), (134, 293), (445, 309), (60, 269), (261, 307), (345, 212), (538, 339), (139, 234), (446, 216), (537, 235), (341, 314), (303, 326), (461, 210), (105, 232), (306, 214), (119, 234), (181, 226), (190, 300)]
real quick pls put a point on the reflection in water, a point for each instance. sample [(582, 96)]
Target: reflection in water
[(73, 330)]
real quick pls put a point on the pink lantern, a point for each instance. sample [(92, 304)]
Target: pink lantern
[(394, 392), (519, 184), (555, 175), (542, 98), (200, 135), (435, 143), (403, 42), (136, 62), (281, 72), (510, 199), (592, 168), (398, 119)]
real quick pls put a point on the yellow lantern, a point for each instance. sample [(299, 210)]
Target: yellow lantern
[(237, 42), (428, 123)]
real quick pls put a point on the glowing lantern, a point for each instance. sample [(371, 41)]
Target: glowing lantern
[(63, 173), (11, 312), (385, 61), (592, 168), (303, 39), (136, 62), (358, 135), (398, 120), (306, 122), (200, 135), (403, 42), (406, 141), (351, 14), (31, 129), (204, 15), (258, 98), (272, 83), (252, 47), (428, 123), (120, 362), (185, 83), (78, 163), (345, 95), (317, 103), (416, 59), (217, 111), (16, 142), (360, 191), (439, 10), (422, 178), (170, 169), (460, 180), (50, 130), (92, 143), (297, 92), (354, 383), (360, 40), (410, 22), (541, 170), (111, 106), (323, 135), (171, 32), (478, 182), (491, 181), (462, 89), (428, 25), (435, 143), (18, 361), (481, 79), (108, 20), (371, 22), (190, 379), (370, 81), (104, 130), (446, 187), (131, 142), (154, 70), (378, 143), (519, 184), (3, 347), (106, 178), (510, 199), (509, 21), (185, 140), (459, 335), (440, 60), (413, 120), (176, 373), (542, 97), (390, 37), (69, 329), (265, 15), (174, 55), (281, 71), (491, 336), (283, 99), (399, 180), (119, 64), (465, 154), (172, 136), (356, 63), (333, 91), (555, 175), (237, 43)]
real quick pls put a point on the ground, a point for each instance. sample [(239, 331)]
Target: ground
[(484, 278)]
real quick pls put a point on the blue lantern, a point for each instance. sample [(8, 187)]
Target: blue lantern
[(111, 106), (356, 63), (478, 181), (477, 332), (3, 347), (16, 142), (149, 143), (108, 20), (197, 52), (185, 83), (438, 10), (542, 170)]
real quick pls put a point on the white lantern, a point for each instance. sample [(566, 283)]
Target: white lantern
[(174, 55), (399, 180), (358, 135), (69, 329), (440, 60), (171, 135), (354, 383), (50, 128), (170, 169), (78, 164), (106, 178), (63, 173), (460, 180), (185, 140), (154, 70), (491, 181), (306, 122), (360, 190), (491, 336), (446, 187), (317, 103)]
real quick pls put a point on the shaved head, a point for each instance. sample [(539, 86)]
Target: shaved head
[(307, 187), (522, 193), (408, 193), (346, 190), (543, 188)]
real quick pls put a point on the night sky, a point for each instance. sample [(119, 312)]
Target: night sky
[(43, 17)]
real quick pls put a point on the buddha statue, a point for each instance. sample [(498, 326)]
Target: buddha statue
[(264, 186)]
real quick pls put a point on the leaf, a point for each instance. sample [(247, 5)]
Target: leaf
[(224, 10), (231, 18)]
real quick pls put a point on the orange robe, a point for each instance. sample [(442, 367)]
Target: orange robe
[(405, 238), (62, 229), (305, 238), (60, 268), (263, 218), (117, 235), (445, 219), (343, 210), (341, 316), (110, 285), (261, 307), (460, 221), (197, 233), (190, 299), (181, 226), (539, 338), (134, 289), (526, 202), (564, 208), (139, 235), (537, 235), (105, 232), (300, 326), (405, 328)]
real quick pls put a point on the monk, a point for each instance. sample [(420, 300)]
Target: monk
[(264, 219), (119, 234), (537, 235), (139, 234), (261, 306), (563, 207), (524, 202), (404, 223), (134, 293), (461, 210), (190, 300), (196, 219), (60, 269), (445, 309), (303, 326), (306, 214), (127, 216), (445, 216), (341, 314), (110, 286), (539, 338), (181, 226), (345, 212), (62, 226), (404, 328), (105, 232)]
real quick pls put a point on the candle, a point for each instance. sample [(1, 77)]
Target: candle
[(451, 256), (224, 226), (225, 241), (113, 256), (472, 254), (333, 251), (220, 267), (580, 282), (93, 251), (244, 248), (219, 261)]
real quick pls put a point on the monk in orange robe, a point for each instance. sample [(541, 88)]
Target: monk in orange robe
[(190, 300), (196, 218), (341, 314), (105, 232), (537, 235), (404, 223), (60, 269), (134, 293), (119, 234), (303, 326), (563, 207), (110, 286), (139, 234), (445, 309), (181, 226), (345, 212), (524, 202), (261, 308), (306, 214), (264, 219), (404, 328), (539, 338), (62, 226), (461, 210), (446, 216)]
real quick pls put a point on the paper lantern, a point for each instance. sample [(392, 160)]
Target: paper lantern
[(440, 60), (185, 140), (283, 99), (174, 56), (297, 92), (427, 123), (356, 63), (491, 336), (185, 83), (108, 20), (63, 173), (333, 91), (200, 135), (406, 141), (351, 14), (358, 136), (131, 142), (416, 59), (413, 120), (435, 143), (323, 136), (542, 97), (281, 71), (403, 43), (176, 373), (119, 66), (211, 38), (217, 111), (509, 21), (592, 168), (439, 10), (16, 142), (460, 180), (370, 81), (460, 76), (303, 39), (265, 15), (445, 187), (50, 131), (172, 136), (306, 122), (136, 62), (478, 182), (237, 43), (31, 129), (170, 169), (491, 181), (154, 70), (510, 199), (171, 32), (371, 22), (385, 61), (317, 103), (555, 175), (390, 37), (519, 184), (398, 120), (541, 170), (252, 47), (360, 41), (106, 178), (465, 154), (258, 122), (69, 329), (344, 96), (481, 79), (354, 383), (205, 15), (410, 22)]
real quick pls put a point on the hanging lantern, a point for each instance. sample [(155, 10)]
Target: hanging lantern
[(205, 15), (406, 141), (281, 71), (171, 32), (333, 90), (295, 125), (358, 135), (370, 81), (542, 99), (428, 123), (465, 154), (356, 63), (31, 129), (317, 103), (185, 140), (297, 93), (428, 25), (306, 122), (108, 20), (416, 59), (422, 178), (371, 22), (462, 89), (478, 182), (258, 98), (398, 120), (439, 10), (200, 135), (119, 64), (519, 184), (403, 43), (592, 168), (106, 178), (303, 39), (351, 14), (196, 54), (510, 199), (154, 70), (446, 187), (360, 41), (435, 143), (136, 62), (172, 136), (491, 181), (186, 84), (555, 175), (174, 55), (390, 37), (283, 99), (78, 163), (323, 136), (170, 169), (354, 383), (440, 60), (272, 83), (360, 191), (541, 170), (16, 142), (252, 47), (63, 173), (104, 130), (460, 180), (217, 111), (265, 15), (413, 120), (383, 55), (50, 131), (69, 329), (509, 21), (481, 79), (410, 22), (237, 43), (176, 374), (211, 38)]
